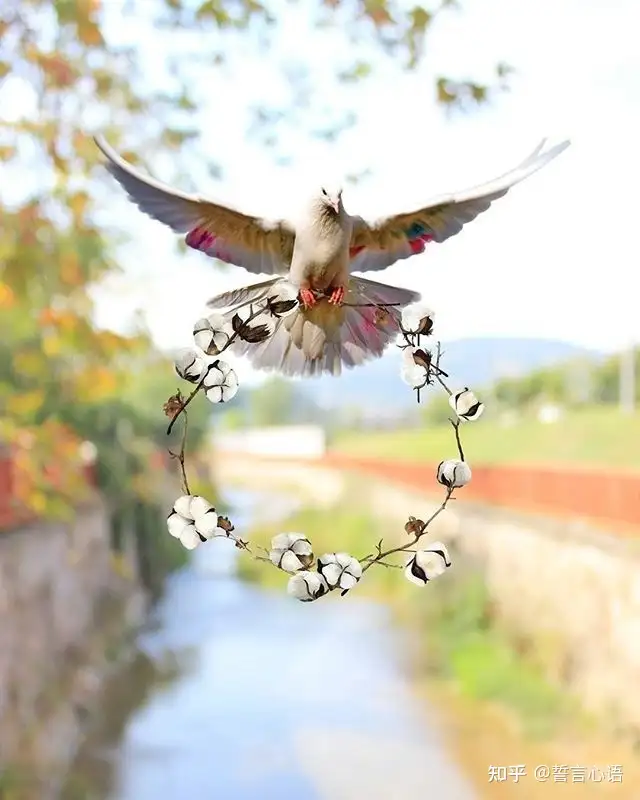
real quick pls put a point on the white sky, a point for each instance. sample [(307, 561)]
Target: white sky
[(558, 257)]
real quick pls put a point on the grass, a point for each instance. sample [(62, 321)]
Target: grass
[(465, 645), (592, 437), (459, 641)]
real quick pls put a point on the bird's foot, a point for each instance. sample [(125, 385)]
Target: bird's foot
[(307, 298), (336, 298)]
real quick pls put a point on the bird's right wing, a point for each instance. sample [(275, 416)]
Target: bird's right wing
[(260, 246), (377, 245)]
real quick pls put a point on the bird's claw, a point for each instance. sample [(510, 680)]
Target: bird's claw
[(336, 297), (307, 298)]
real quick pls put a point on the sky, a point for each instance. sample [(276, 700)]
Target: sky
[(558, 257)]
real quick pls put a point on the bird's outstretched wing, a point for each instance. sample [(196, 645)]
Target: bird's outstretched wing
[(222, 232), (377, 245)]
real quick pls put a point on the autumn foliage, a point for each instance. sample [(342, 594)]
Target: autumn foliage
[(64, 75), (55, 365)]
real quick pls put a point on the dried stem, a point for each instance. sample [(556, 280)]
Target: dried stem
[(181, 456), (456, 428), (423, 529), (183, 408)]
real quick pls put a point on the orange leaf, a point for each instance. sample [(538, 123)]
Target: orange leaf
[(89, 33), (7, 296), (78, 204), (48, 316), (70, 269), (95, 384)]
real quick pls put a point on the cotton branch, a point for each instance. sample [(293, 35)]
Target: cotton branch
[(420, 531), (183, 406), (237, 334), (193, 520), (177, 404)]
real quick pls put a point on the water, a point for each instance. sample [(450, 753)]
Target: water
[(239, 693)]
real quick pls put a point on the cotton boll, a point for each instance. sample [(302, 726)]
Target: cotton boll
[(307, 586)]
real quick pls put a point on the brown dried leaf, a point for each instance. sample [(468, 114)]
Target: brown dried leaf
[(414, 526), (173, 405), (226, 525), (422, 358)]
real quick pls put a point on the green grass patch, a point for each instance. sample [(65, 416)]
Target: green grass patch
[(465, 644), (458, 638), (600, 436)]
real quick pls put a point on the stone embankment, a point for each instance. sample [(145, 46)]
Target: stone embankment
[(568, 586)]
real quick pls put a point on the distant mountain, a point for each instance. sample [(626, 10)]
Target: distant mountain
[(470, 362)]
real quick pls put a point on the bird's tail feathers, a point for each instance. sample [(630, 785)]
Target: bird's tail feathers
[(237, 298), (324, 339)]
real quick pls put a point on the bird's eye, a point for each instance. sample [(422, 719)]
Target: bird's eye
[(324, 192)]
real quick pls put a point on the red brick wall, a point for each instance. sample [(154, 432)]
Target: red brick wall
[(596, 495), (602, 495)]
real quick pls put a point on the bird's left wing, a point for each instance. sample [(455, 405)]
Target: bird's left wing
[(218, 230), (375, 246)]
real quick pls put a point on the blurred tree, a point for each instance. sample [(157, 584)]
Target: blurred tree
[(576, 382), (606, 379)]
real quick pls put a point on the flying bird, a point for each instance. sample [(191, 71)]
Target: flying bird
[(342, 319)]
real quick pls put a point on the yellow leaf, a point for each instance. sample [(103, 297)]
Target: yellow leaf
[(38, 502), (112, 343), (25, 404), (95, 384), (29, 364), (78, 203), (51, 345), (68, 321)]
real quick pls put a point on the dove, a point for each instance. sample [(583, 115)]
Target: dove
[(342, 319)]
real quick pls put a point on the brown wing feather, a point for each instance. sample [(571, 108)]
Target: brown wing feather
[(214, 228), (376, 245)]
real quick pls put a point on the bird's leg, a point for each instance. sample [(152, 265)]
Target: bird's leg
[(307, 297), (336, 297)]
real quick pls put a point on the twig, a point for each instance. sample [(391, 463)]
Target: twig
[(182, 409), (456, 428), (181, 456), (416, 539)]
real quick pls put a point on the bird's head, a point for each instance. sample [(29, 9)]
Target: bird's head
[(330, 199)]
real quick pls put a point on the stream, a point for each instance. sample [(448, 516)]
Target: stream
[(240, 693)]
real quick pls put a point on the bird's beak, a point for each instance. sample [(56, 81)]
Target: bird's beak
[(335, 205)]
